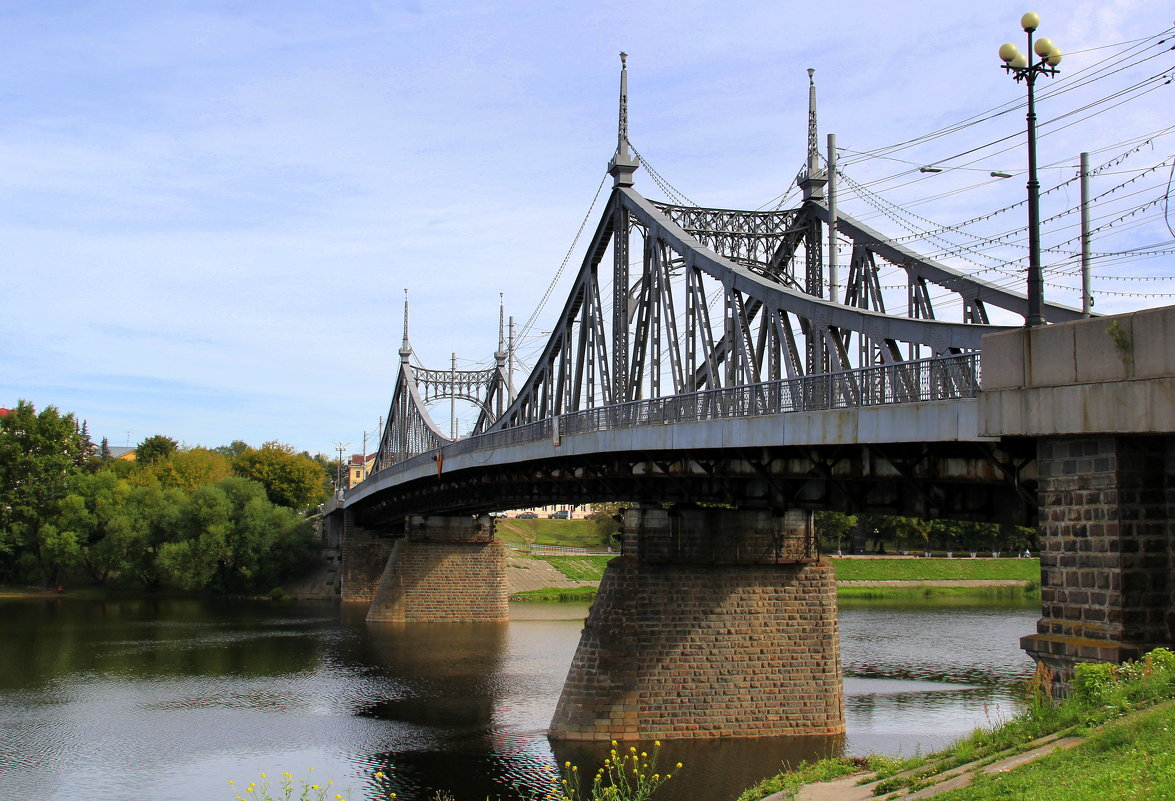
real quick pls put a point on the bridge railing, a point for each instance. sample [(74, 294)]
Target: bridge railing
[(940, 378)]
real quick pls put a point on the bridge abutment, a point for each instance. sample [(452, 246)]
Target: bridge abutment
[(712, 622), (444, 569), (1107, 528)]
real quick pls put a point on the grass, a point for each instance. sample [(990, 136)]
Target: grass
[(562, 594), (944, 596), (1126, 712), (580, 568), (882, 569), (545, 531), (1132, 759)]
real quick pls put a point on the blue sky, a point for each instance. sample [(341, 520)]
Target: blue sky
[(209, 211)]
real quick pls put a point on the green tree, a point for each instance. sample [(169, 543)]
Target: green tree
[(190, 469), (290, 479), (233, 450), (116, 527), (833, 527), (154, 448), (604, 517), (38, 453), (332, 468), (231, 538)]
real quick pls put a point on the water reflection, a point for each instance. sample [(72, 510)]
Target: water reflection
[(170, 698)]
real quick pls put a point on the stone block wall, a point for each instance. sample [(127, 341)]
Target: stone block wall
[(445, 569), (1107, 506), (364, 555), (719, 536), (689, 651)]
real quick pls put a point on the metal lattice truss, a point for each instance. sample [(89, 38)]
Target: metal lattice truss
[(671, 300), (411, 431), (712, 298)]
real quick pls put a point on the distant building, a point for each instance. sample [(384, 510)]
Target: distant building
[(127, 454), (358, 469)]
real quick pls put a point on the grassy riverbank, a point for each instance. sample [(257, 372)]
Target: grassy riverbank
[(880, 568), (1020, 576), (545, 531), (1122, 719)]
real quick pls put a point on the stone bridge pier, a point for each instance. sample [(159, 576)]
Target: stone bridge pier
[(712, 622), (1098, 398), (439, 569)]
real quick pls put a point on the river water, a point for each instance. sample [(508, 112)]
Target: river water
[(170, 699)]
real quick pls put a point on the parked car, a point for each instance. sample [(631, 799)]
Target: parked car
[(562, 514), (527, 516)]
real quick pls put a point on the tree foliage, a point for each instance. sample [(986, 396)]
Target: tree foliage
[(38, 452), (189, 469), (290, 479), (175, 517), (155, 448)]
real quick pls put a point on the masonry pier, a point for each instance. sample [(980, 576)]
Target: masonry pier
[(443, 569), (1107, 566), (1097, 397), (712, 622)]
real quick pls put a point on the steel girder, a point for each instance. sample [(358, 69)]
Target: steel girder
[(411, 431), (727, 298), (706, 299), (956, 480)]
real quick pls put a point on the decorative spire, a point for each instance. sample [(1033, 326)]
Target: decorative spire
[(501, 324), (623, 164), (810, 179), (813, 143), (405, 348)]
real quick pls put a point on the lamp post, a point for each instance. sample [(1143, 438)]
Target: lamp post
[(1023, 68)]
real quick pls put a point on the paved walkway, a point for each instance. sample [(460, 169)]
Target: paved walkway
[(534, 574), (850, 788)]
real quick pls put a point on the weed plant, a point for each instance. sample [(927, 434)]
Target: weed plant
[(626, 775), (630, 775), (287, 788)]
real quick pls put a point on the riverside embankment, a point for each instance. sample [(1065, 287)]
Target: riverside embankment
[(545, 574), (1110, 740)]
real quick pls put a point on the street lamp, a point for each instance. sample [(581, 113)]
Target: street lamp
[(1022, 68)]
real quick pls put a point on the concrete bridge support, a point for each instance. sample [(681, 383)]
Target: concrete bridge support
[(1107, 527), (712, 622), (444, 569)]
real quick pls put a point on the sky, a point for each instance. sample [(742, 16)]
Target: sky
[(210, 211)]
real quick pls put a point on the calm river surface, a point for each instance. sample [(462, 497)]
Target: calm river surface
[(170, 699)]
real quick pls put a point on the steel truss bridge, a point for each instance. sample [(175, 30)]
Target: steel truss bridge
[(707, 354)]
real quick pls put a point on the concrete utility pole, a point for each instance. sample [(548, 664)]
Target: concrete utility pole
[(832, 266), (1086, 297), (340, 447)]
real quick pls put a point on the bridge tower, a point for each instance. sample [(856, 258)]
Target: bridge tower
[(431, 568), (713, 621)]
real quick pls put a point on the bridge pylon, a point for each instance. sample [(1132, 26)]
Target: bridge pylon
[(445, 569), (711, 623)]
